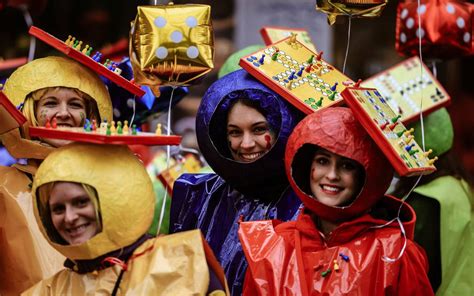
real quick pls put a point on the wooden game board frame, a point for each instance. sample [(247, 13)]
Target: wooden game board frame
[(378, 136), (415, 116), (86, 61), (148, 139)]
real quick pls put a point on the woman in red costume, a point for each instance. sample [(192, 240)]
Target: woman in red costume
[(347, 240)]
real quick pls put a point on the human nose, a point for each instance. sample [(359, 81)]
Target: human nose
[(333, 172), (70, 215), (63, 111), (247, 141)]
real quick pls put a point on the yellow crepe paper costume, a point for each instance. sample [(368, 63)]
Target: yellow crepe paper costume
[(167, 265), (26, 256)]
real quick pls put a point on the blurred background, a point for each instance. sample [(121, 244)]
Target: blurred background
[(104, 24)]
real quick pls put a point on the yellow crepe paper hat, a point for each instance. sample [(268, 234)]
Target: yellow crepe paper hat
[(57, 71), (125, 194)]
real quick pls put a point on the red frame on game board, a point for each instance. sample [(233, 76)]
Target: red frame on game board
[(97, 138), (385, 128), (86, 61)]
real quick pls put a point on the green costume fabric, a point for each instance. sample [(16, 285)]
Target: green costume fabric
[(232, 62), (457, 233)]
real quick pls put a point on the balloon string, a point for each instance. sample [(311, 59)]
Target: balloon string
[(168, 156), (347, 46), (29, 23)]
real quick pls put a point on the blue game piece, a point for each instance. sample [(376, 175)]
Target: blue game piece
[(344, 257), (292, 76), (262, 59), (333, 88), (408, 147), (300, 72)]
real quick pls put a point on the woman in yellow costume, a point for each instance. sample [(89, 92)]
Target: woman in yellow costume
[(47, 89), (94, 204)]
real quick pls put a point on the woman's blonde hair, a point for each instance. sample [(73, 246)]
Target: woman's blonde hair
[(43, 195), (31, 101)]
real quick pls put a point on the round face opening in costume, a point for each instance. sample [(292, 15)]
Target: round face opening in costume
[(248, 133), (73, 213), (335, 180)]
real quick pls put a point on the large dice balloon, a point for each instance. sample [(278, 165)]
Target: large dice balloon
[(171, 44), (446, 28)]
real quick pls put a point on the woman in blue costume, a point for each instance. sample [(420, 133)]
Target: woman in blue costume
[(247, 186)]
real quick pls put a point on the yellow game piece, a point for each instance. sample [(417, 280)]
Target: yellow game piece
[(292, 39), (78, 46), (427, 153), (432, 161), (336, 266), (409, 139), (125, 127), (113, 130), (158, 129), (68, 40), (408, 132), (84, 51), (71, 42)]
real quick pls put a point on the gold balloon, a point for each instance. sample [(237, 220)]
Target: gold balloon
[(171, 44), (351, 8)]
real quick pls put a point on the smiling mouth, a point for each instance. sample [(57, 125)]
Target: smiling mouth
[(331, 189), (250, 156), (76, 231)]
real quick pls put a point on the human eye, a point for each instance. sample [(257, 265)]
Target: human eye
[(321, 159), (77, 104), (57, 209), (49, 103), (234, 132), (82, 202), (259, 130), (349, 165)]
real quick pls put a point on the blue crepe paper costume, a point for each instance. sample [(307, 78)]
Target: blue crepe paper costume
[(252, 191)]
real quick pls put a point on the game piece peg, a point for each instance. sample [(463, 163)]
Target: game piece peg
[(408, 147), (94, 125), (85, 49), (333, 88), (68, 40), (427, 153), (412, 152), (262, 59), (438, 92), (134, 129), (54, 123), (432, 161), (125, 127), (275, 55), (319, 57), (106, 63), (118, 70), (292, 38), (310, 60), (357, 84), (326, 272), (408, 132), (76, 42), (113, 129), (400, 134), (309, 68), (78, 46), (158, 129), (409, 139), (108, 132), (395, 119), (72, 41), (89, 51), (319, 102), (393, 125), (336, 266), (292, 75), (383, 125), (119, 128), (300, 72), (332, 96), (47, 124), (344, 257)]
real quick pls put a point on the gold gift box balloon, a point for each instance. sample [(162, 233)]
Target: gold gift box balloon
[(171, 44), (351, 8)]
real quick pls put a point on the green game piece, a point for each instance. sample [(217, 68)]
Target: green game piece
[(310, 60), (108, 132), (311, 100), (395, 119), (332, 96), (106, 62), (319, 102), (75, 44), (412, 152), (314, 106), (119, 128), (400, 134), (275, 56), (325, 273), (134, 129), (89, 51)]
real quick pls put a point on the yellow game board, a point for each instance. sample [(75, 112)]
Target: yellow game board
[(387, 130), (298, 74), (405, 85)]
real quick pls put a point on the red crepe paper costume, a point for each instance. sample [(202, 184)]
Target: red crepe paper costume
[(295, 258)]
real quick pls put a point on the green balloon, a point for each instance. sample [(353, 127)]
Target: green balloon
[(232, 62)]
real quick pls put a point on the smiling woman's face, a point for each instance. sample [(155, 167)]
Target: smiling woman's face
[(64, 104), (248, 133), (72, 212)]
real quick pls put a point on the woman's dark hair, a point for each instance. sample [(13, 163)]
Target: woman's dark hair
[(263, 102)]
